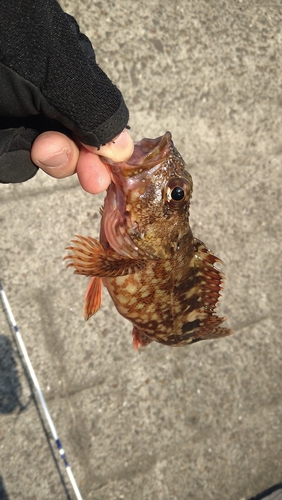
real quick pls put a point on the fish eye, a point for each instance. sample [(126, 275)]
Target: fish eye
[(178, 192)]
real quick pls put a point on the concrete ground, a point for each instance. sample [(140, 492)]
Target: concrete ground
[(195, 423)]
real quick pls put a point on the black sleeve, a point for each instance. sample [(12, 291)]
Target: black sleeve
[(49, 80)]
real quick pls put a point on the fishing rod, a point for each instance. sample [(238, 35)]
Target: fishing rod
[(16, 334)]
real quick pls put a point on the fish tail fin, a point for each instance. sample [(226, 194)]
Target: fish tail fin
[(219, 332)]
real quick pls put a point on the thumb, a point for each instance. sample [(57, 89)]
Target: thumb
[(55, 153)]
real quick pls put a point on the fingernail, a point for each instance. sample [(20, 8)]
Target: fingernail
[(56, 160)]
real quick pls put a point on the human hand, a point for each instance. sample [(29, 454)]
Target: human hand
[(62, 106), (59, 156)]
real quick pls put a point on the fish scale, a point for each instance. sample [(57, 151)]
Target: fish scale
[(159, 276)]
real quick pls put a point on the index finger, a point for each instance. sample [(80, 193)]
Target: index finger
[(119, 149)]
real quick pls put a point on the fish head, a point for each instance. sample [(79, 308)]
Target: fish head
[(146, 210)]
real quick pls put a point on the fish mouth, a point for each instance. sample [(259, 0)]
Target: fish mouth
[(116, 223), (146, 154)]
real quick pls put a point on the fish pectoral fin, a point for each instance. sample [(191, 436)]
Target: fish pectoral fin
[(93, 297), (90, 259), (139, 339)]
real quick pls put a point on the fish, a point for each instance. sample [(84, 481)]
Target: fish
[(160, 278)]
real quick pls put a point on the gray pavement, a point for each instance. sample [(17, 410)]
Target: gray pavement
[(194, 423)]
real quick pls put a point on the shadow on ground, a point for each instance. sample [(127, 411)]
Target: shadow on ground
[(10, 387)]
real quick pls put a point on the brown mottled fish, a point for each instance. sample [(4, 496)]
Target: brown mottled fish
[(159, 276)]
